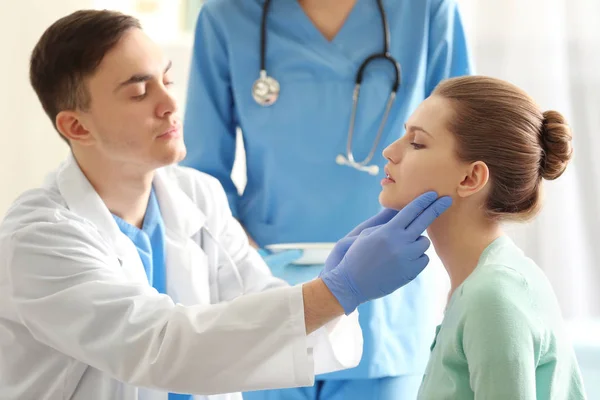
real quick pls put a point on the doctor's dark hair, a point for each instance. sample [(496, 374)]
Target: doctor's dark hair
[(499, 124), (69, 51)]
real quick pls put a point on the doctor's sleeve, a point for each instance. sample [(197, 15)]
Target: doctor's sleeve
[(209, 123), (71, 293), (448, 54), (337, 345), (500, 344)]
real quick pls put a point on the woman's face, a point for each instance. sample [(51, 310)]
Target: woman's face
[(424, 158)]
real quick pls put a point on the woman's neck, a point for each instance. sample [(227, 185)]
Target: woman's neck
[(460, 237)]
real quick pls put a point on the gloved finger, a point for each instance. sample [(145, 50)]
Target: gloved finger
[(418, 248), (411, 211), (368, 231), (417, 266), (341, 247), (380, 218), (345, 243), (278, 260), (422, 221)]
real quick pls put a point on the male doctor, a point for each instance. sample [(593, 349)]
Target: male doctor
[(121, 277)]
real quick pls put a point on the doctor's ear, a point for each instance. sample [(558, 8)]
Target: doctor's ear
[(474, 180), (70, 125)]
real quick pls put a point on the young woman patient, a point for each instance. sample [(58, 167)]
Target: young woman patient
[(485, 143)]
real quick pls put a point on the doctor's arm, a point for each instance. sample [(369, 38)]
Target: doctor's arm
[(72, 294), (338, 344), (379, 260), (448, 54)]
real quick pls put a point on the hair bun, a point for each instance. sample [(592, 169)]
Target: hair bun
[(556, 145)]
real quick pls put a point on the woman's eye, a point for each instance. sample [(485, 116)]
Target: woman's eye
[(139, 97), (417, 146)]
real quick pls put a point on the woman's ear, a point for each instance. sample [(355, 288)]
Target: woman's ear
[(475, 179)]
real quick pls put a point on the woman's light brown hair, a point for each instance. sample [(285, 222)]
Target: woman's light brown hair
[(499, 124)]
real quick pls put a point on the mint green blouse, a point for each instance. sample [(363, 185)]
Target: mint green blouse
[(502, 336)]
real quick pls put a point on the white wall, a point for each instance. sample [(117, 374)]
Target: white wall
[(29, 145)]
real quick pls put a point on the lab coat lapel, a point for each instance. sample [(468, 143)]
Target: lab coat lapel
[(83, 199), (187, 266)]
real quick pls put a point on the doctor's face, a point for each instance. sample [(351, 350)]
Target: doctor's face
[(424, 158), (132, 119)]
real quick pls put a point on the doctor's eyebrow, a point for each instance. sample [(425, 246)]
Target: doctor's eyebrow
[(413, 128), (137, 78)]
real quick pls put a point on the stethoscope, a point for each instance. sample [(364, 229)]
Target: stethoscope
[(266, 91)]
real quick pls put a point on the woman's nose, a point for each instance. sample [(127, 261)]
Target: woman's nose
[(392, 153)]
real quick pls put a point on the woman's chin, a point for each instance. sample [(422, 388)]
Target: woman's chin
[(391, 202)]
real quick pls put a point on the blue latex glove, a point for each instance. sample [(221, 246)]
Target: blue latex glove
[(342, 246), (386, 257)]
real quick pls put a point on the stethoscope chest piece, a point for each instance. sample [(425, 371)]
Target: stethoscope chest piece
[(265, 90)]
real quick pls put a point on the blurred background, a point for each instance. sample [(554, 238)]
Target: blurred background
[(551, 48)]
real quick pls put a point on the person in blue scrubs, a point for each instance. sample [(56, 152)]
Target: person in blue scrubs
[(295, 191)]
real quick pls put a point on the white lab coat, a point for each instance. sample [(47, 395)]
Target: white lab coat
[(78, 319)]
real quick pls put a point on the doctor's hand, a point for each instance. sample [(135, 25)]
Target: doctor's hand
[(385, 257), (342, 246)]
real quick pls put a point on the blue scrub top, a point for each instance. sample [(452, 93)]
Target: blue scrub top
[(295, 191), (150, 244)]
